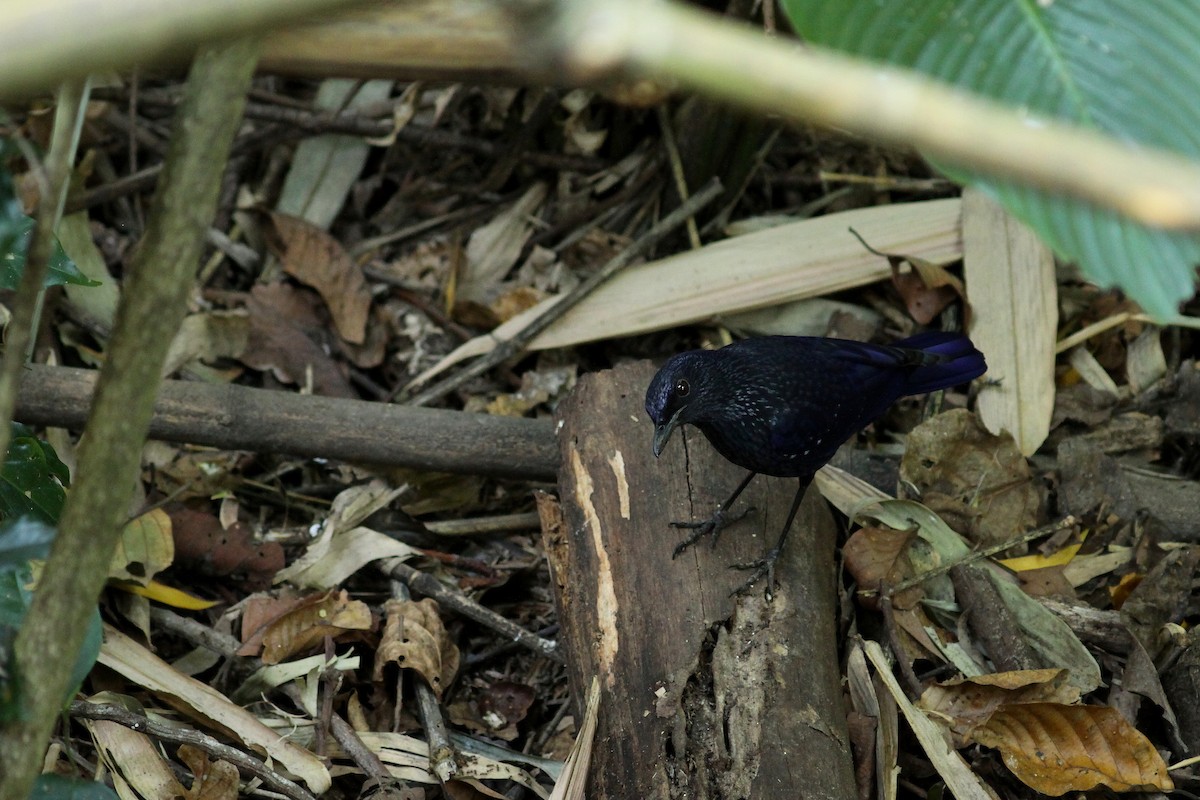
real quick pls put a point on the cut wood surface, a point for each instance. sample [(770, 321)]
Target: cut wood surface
[(241, 418), (704, 695)]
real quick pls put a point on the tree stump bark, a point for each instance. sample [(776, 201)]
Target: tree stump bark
[(704, 695)]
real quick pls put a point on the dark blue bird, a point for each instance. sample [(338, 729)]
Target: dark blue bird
[(783, 405)]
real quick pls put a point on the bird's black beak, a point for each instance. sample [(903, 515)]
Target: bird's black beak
[(663, 432)]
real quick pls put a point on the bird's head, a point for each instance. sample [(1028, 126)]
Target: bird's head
[(676, 395)]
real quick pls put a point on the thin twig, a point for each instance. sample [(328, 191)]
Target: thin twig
[(1066, 522), (430, 587), (443, 758), (508, 348), (181, 734), (672, 147), (227, 646)]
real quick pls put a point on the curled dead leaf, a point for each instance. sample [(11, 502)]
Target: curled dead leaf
[(1056, 749), (313, 257), (415, 638), (968, 702), (311, 620)]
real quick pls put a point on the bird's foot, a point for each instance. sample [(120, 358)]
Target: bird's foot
[(763, 567), (709, 527)]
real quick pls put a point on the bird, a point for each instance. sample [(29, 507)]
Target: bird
[(783, 405)]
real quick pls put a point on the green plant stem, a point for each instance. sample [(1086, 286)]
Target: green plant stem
[(26, 309), (154, 303)]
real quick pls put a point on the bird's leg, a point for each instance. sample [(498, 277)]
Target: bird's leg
[(766, 564), (714, 524)]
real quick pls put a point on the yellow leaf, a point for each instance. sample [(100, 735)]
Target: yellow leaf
[(1055, 749), (167, 595), (1038, 561)]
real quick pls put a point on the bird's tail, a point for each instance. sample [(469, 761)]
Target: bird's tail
[(944, 359)]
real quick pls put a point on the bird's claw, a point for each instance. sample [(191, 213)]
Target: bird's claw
[(709, 527), (764, 566)]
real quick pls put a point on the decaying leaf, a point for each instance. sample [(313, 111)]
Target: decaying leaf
[(212, 780), (415, 638), (313, 257), (1055, 749), (305, 623), (280, 319), (145, 549), (966, 703), (873, 558), (979, 483), (202, 543)]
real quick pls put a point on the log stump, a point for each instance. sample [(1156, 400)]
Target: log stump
[(704, 695)]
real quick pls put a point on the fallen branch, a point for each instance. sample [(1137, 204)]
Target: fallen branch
[(241, 418)]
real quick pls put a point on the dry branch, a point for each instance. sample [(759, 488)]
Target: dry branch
[(44, 42), (241, 418), (613, 39)]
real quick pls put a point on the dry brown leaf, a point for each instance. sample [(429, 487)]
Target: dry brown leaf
[(966, 703), (212, 780), (415, 638), (1056, 749), (874, 558), (280, 317), (313, 257), (927, 289), (977, 482), (302, 627), (202, 544)]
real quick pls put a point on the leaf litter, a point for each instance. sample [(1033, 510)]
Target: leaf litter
[(417, 249)]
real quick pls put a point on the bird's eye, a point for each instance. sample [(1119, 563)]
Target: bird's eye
[(682, 388)]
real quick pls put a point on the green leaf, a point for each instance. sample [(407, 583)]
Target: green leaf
[(32, 479), (22, 540), (1124, 67), (16, 230), (58, 787), (15, 599)]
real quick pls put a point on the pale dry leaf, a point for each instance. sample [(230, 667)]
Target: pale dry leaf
[(1055, 749), (1010, 273), (207, 337), (138, 769), (790, 262), (324, 168), (959, 777), (493, 248), (146, 548), (143, 668)]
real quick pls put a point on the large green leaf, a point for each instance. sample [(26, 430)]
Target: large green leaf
[(59, 787), (32, 478), (16, 230), (15, 599), (1126, 67)]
